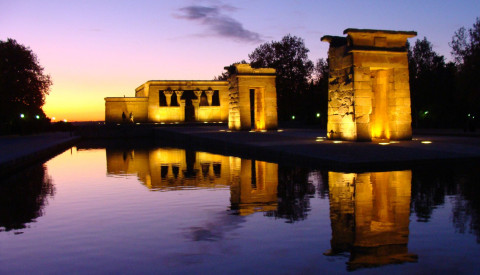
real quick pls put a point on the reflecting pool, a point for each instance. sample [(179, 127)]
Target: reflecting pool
[(168, 210)]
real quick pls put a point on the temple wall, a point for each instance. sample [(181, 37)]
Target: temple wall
[(341, 117), (115, 106), (197, 101), (210, 113), (371, 71), (262, 84), (368, 90)]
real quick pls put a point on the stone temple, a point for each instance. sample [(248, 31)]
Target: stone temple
[(368, 87), (368, 92), (247, 101)]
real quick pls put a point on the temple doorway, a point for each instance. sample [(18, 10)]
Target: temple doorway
[(189, 97), (257, 109), (380, 112)]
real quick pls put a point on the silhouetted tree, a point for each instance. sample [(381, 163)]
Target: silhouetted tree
[(316, 97), (23, 84), (294, 70), (431, 86), (466, 52)]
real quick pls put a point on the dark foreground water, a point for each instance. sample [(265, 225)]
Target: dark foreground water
[(168, 211)]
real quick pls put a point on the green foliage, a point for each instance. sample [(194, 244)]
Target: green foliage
[(23, 85)]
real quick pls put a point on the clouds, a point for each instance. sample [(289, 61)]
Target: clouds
[(219, 23)]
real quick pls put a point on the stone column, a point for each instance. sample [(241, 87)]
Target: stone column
[(181, 103), (196, 102), (209, 94), (168, 96), (179, 95), (198, 93)]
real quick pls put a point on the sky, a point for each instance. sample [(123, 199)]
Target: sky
[(97, 49)]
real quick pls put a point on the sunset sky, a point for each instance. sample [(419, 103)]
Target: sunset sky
[(97, 49)]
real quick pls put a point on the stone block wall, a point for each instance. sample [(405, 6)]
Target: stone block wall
[(233, 96), (369, 93), (245, 82), (115, 106)]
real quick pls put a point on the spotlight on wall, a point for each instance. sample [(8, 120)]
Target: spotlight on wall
[(22, 116), (318, 114)]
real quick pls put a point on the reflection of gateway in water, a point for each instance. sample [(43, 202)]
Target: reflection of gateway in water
[(370, 217), (253, 184)]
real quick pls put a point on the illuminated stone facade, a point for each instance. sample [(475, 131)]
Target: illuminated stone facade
[(253, 98), (368, 90), (247, 101), (369, 215)]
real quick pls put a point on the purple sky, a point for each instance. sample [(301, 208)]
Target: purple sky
[(96, 49)]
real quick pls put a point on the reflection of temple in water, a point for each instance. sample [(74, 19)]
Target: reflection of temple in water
[(253, 184), (370, 217)]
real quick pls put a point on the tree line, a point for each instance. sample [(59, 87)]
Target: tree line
[(443, 94)]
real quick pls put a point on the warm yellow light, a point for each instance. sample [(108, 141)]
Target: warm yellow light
[(229, 131), (251, 131), (394, 141), (384, 143), (319, 139), (263, 131), (205, 122), (53, 118), (138, 123), (337, 141), (65, 120), (162, 122), (426, 141), (279, 130), (221, 130)]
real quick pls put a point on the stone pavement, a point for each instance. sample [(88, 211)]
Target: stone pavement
[(310, 147), (19, 151), (295, 146)]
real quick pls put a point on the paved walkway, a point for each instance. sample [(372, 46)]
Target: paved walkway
[(310, 147), (18, 151), (297, 146)]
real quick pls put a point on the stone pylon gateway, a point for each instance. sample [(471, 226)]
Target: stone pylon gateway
[(368, 87)]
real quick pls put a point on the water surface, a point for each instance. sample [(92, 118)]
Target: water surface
[(169, 210)]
